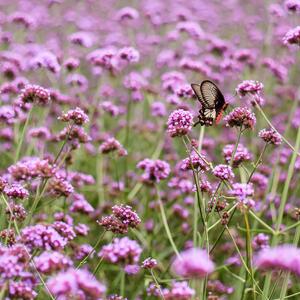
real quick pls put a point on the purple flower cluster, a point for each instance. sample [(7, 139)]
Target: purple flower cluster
[(77, 115), (122, 251), (193, 262), (16, 191), (149, 263), (241, 117), (35, 94), (241, 155), (74, 284), (155, 170), (30, 168), (180, 122), (112, 145), (270, 136), (122, 218), (284, 257), (43, 237), (249, 87), (51, 262), (179, 291), (223, 172), (243, 193), (292, 36), (194, 162)]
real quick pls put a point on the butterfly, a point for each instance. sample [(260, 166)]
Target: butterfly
[(212, 101)]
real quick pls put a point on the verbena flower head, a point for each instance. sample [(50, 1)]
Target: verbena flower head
[(244, 193), (21, 290), (51, 262), (179, 291), (242, 154), (31, 167), (16, 191), (180, 122), (249, 87), (77, 115), (42, 237), (111, 145), (16, 212), (194, 162), (270, 136), (122, 218), (193, 262), (284, 257), (75, 283), (126, 215), (35, 94), (292, 36), (60, 186), (155, 170), (260, 241), (129, 54), (241, 117), (123, 251), (223, 172), (149, 263), (292, 6)]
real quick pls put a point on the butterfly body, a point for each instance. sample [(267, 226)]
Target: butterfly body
[(212, 102)]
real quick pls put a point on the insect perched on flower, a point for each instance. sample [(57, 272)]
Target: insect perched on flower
[(212, 101)]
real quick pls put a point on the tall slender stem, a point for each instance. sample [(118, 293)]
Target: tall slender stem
[(82, 262), (122, 283), (19, 147), (165, 222)]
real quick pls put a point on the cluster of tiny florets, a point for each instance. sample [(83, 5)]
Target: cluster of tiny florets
[(77, 115), (123, 251), (249, 87), (112, 145), (270, 136), (122, 218), (223, 172), (155, 170), (292, 36), (241, 117), (180, 122), (35, 94)]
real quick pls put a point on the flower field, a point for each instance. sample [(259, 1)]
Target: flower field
[(149, 150)]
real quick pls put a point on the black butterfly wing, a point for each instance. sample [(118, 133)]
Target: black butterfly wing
[(197, 90), (212, 96)]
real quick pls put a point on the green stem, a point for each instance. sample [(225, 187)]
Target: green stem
[(92, 251), (157, 284), (249, 252), (122, 284), (286, 187), (262, 222), (95, 272), (165, 222), (17, 156), (259, 160)]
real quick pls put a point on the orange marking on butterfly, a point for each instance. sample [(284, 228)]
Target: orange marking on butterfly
[(220, 114)]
